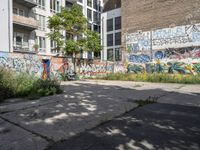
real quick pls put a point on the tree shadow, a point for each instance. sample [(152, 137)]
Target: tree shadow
[(83, 106), (155, 126)]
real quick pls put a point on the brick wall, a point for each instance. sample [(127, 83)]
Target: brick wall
[(111, 4), (152, 14)]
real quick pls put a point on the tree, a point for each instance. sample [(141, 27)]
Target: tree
[(74, 23)]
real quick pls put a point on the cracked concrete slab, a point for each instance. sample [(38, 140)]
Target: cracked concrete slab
[(86, 104), (64, 119), (15, 138)]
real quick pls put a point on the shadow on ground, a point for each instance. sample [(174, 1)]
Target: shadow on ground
[(83, 106), (156, 126)]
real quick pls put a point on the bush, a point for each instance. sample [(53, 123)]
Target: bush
[(14, 84), (154, 77)]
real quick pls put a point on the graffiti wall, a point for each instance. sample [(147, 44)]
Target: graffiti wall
[(171, 50), (35, 65), (28, 63), (168, 67), (143, 47)]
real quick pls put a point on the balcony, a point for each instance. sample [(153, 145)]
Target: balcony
[(24, 22), (71, 1), (27, 3), (22, 47)]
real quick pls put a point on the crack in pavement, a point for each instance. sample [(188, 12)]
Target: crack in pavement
[(50, 141)]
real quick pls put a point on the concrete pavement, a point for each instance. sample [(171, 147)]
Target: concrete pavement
[(82, 106), (152, 127)]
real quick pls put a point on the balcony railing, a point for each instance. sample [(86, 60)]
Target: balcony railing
[(28, 3), (22, 47), (30, 23)]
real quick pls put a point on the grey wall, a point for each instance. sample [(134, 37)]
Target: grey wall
[(5, 26)]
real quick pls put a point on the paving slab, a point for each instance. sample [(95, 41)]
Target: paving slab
[(64, 119), (86, 104), (152, 127), (15, 138)]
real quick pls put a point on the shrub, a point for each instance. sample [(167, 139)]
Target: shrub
[(14, 84), (154, 77)]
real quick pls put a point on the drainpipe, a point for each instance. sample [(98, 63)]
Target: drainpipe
[(9, 27)]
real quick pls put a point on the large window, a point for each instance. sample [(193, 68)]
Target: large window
[(110, 54), (95, 17), (96, 28), (20, 12), (41, 4), (118, 38), (95, 4), (117, 23), (20, 41), (118, 54), (109, 39), (41, 21), (54, 6), (42, 44), (89, 26), (53, 47), (89, 14), (89, 3), (109, 25)]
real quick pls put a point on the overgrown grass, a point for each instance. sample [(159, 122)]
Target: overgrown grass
[(154, 77), (150, 100), (13, 85)]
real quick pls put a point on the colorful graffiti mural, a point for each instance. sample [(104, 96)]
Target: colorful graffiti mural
[(22, 63), (142, 58), (181, 53), (167, 67)]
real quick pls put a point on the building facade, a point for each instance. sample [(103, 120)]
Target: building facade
[(111, 31), (25, 23), (111, 35)]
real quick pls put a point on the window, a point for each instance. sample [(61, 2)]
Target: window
[(53, 47), (89, 26), (42, 44), (68, 4), (69, 36), (89, 55), (89, 3), (118, 38), (109, 25), (118, 54), (58, 6), (19, 12), (110, 54), (96, 28), (15, 11), (20, 41), (109, 39), (89, 14), (95, 17), (97, 55), (41, 4), (117, 23), (54, 6), (41, 20), (81, 1), (95, 4)]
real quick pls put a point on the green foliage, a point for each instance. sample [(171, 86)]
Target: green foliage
[(74, 23), (150, 100), (155, 77), (14, 84)]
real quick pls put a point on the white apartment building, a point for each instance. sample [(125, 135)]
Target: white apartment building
[(111, 35), (25, 23)]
